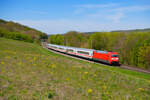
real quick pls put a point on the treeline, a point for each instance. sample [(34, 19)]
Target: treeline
[(133, 48), (12, 30), (134, 30)]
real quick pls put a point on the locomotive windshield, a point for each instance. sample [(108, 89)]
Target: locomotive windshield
[(114, 55)]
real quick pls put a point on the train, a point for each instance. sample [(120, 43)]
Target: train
[(96, 55)]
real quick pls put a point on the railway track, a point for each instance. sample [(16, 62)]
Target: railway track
[(44, 45)]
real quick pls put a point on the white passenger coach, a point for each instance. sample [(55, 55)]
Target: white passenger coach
[(87, 53)]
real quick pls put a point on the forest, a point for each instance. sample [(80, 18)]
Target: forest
[(133, 47), (16, 31)]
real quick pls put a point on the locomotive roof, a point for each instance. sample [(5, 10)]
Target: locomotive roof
[(99, 51), (85, 49)]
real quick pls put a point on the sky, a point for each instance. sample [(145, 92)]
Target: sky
[(61, 16)]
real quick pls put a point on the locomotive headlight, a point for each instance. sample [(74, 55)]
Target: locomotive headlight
[(112, 58)]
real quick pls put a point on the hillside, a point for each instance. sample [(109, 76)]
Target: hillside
[(29, 72), (133, 30), (10, 27)]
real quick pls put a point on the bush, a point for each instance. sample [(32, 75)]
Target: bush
[(15, 35)]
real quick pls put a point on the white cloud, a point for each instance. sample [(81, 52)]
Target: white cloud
[(96, 5), (132, 8), (112, 11), (120, 12), (80, 9), (116, 18)]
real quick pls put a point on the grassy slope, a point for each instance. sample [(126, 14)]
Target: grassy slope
[(27, 71)]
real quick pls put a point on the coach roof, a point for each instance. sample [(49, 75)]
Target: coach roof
[(82, 49)]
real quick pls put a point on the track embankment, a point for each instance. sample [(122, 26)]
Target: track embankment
[(44, 44)]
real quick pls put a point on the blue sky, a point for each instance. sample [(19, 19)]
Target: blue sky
[(60, 16)]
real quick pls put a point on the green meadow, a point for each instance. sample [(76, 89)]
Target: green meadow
[(30, 72)]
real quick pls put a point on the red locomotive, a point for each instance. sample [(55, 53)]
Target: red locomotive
[(107, 57), (103, 56)]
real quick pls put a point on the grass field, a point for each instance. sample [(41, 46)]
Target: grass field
[(29, 72)]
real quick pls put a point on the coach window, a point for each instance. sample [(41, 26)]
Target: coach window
[(61, 48), (70, 50), (114, 55), (82, 52), (54, 47)]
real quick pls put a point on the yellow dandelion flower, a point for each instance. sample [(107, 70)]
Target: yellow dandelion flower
[(85, 72), (30, 60), (8, 57), (53, 66), (141, 89), (148, 81), (104, 87), (2, 62), (107, 92), (95, 75), (90, 90), (67, 79), (49, 71), (34, 58), (19, 63)]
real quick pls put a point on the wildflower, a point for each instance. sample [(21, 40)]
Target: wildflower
[(90, 90), (2, 62), (53, 66), (49, 71), (67, 79), (104, 87), (19, 63), (141, 89), (95, 75), (107, 92), (34, 58), (148, 81), (8, 57), (34, 64), (85, 72)]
